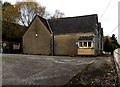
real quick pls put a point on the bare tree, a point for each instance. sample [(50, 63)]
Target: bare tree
[(58, 14), (28, 10)]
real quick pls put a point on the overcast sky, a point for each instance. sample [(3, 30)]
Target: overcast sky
[(85, 7)]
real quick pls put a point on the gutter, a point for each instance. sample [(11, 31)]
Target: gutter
[(52, 40)]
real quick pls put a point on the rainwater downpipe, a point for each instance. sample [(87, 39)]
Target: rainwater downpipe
[(52, 41)]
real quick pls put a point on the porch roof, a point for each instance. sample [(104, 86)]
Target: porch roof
[(86, 38)]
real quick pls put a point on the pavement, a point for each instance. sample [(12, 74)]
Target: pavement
[(21, 69)]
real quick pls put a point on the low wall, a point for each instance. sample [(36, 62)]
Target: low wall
[(117, 56), (85, 51), (117, 60)]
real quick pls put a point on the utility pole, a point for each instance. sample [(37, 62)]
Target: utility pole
[(119, 22)]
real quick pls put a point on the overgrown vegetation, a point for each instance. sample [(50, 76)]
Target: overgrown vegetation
[(95, 77), (110, 43), (12, 32), (16, 18)]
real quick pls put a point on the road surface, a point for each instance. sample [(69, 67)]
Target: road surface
[(21, 69)]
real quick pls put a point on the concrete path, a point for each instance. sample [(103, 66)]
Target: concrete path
[(21, 69)]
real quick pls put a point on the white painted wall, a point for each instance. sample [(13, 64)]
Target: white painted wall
[(117, 61), (117, 55)]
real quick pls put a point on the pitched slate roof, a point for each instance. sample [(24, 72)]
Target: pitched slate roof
[(100, 29), (80, 24)]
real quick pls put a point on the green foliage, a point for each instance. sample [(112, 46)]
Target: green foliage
[(21, 13), (110, 43), (9, 13), (12, 32), (115, 41), (107, 44)]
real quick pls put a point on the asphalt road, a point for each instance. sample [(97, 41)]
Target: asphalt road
[(21, 69)]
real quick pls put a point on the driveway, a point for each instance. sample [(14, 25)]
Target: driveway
[(21, 69)]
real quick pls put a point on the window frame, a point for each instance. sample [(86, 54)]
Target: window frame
[(82, 46)]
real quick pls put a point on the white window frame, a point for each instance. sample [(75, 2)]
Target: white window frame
[(92, 44)]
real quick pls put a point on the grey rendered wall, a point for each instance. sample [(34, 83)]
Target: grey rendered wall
[(66, 44), (39, 44), (96, 44)]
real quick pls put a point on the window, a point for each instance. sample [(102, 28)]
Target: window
[(85, 44), (36, 34), (80, 44), (89, 44)]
